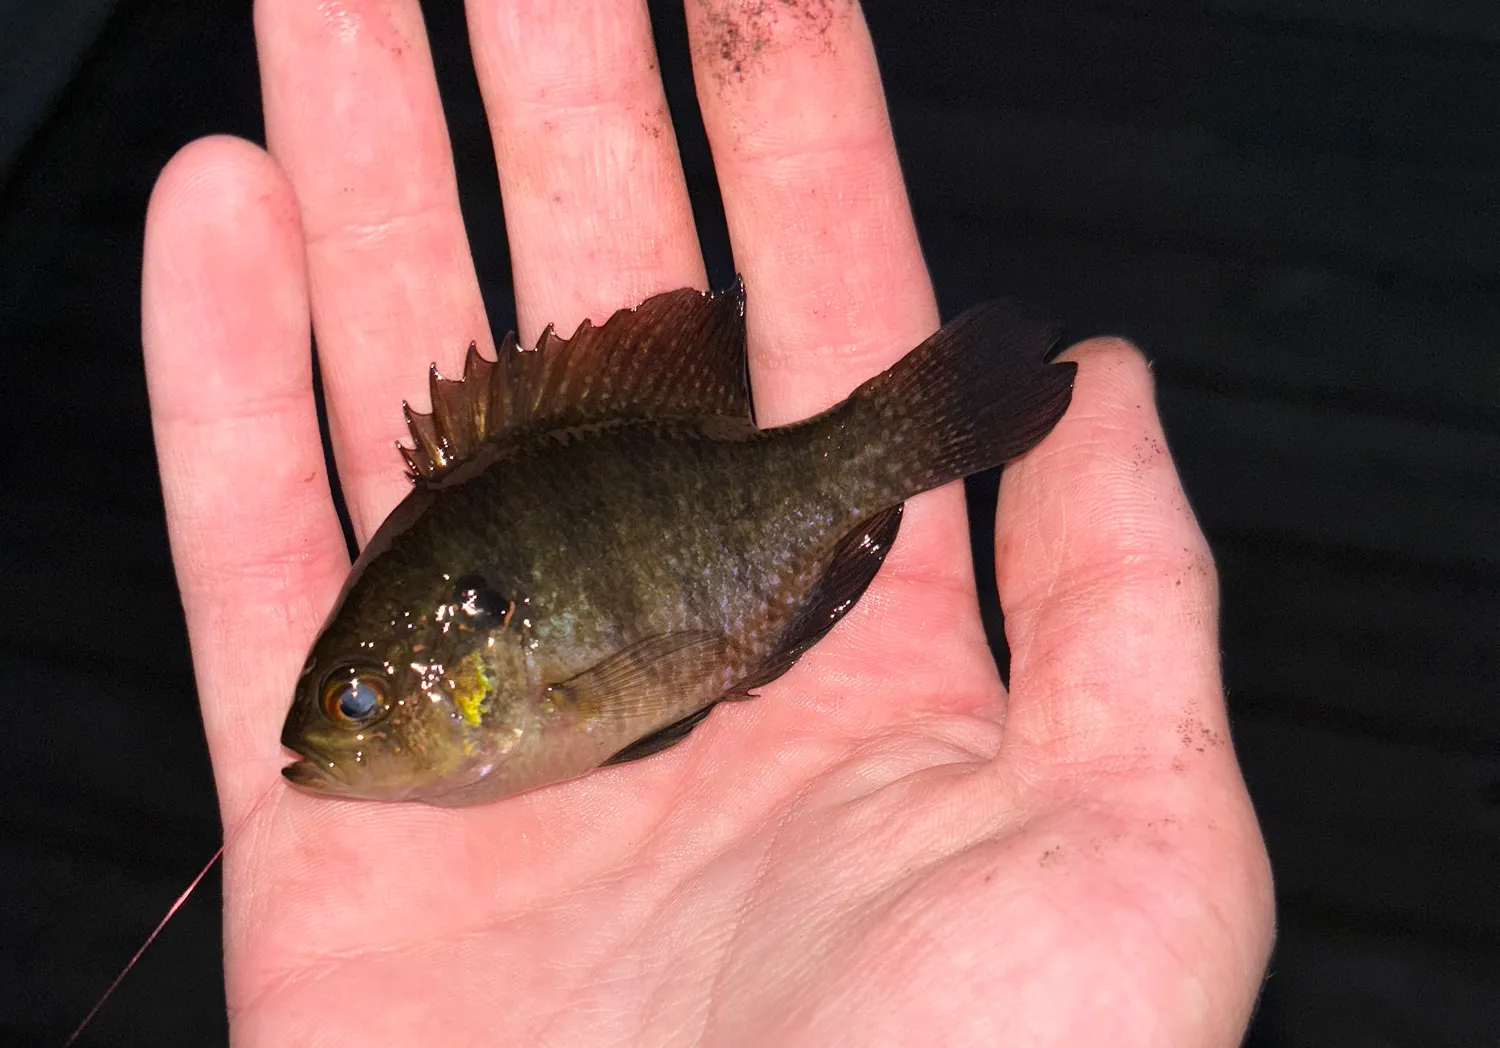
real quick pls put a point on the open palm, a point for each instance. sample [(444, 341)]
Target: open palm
[(886, 848)]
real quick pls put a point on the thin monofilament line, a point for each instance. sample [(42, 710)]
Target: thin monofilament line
[(171, 912)]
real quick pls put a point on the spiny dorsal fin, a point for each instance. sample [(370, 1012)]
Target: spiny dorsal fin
[(677, 355)]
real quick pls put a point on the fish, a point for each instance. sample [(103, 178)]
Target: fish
[(600, 545)]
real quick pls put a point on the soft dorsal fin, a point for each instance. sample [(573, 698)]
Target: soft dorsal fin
[(677, 355)]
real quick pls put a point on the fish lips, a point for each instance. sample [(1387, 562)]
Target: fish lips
[(313, 775)]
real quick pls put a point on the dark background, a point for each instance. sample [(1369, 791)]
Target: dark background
[(1291, 203)]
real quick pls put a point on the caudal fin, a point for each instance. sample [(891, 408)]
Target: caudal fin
[(975, 395)]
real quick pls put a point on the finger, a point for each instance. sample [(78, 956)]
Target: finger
[(258, 549), (813, 195), (837, 287), (596, 207), (354, 118), (1108, 586)]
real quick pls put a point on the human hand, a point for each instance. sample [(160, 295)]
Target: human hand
[(885, 848)]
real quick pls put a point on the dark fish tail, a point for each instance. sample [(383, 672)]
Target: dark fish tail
[(976, 394)]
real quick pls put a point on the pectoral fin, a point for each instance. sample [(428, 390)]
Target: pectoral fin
[(664, 739), (661, 675), (851, 569)]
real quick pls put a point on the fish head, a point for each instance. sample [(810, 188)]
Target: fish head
[(410, 692)]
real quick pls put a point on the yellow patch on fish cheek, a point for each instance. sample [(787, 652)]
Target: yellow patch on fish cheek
[(470, 687)]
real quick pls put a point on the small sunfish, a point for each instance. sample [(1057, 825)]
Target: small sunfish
[(600, 544)]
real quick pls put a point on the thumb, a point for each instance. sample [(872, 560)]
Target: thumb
[(1116, 706), (1108, 586)]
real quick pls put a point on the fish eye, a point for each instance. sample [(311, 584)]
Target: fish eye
[(354, 695)]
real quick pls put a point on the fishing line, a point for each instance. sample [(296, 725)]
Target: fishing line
[(229, 838)]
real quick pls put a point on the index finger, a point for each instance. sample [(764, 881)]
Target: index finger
[(354, 118), (257, 548)]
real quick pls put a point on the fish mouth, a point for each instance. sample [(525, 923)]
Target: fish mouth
[(306, 775), (313, 774)]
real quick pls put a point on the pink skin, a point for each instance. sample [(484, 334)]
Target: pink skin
[(886, 848)]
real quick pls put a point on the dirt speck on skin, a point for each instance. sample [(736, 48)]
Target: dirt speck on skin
[(734, 35), (739, 35), (1195, 735), (1197, 571), (1049, 855), (1148, 452), (1199, 565), (657, 123)]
